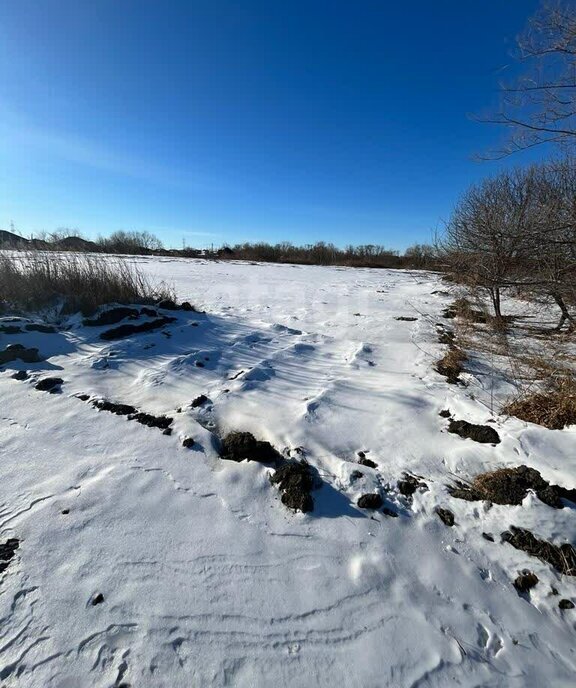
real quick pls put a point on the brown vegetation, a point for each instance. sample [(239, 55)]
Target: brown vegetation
[(554, 408), (34, 280)]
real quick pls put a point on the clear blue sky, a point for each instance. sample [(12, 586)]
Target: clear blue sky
[(224, 121)]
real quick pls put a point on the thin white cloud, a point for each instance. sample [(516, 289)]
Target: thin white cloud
[(93, 154)]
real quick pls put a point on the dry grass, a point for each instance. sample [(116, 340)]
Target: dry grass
[(554, 408), (450, 365), (73, 282)]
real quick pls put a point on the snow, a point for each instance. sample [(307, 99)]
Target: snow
[(208, 580)]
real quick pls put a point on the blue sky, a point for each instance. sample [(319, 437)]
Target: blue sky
[(225, 121)]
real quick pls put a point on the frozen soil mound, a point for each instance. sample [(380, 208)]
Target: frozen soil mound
[(479, 433), (296, 482), (510, 486), (128, 330), (7, 551), (238, 446)]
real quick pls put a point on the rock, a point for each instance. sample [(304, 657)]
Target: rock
[(238, 446), (296, 482), (39, 327), (188, 442), (202, 399), (409, 484), (112, 316), (49, 384), (566, 604), (128, 330), (479, 433), (20, 375), (562, 558), (445, 515), (65, 511), (149, 312), (167, 431), (162, 422), (368, 462), (510, 486), (168, 305), (97, 599), (525, 581), (118, 409), (83, 397), (7, 551), (370, 501), (15, 352), (388, 512)]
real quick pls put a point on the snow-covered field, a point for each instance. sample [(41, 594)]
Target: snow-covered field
[(207, 578)]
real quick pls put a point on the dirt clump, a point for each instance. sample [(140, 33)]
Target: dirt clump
[(18, 352), (510, 486), (566, 604), (525, 581), (112, 316), (20, 375), (202, 399), (238, 446), (118, 409), (128, 330), (188, 442), (445, 515), (371, 500), (40, 327), (162, 422), (562, 558), (49, 384), (479, 433), (7, 551), (389, 512), (408, 485), (10, 329), (363, 461), (405, 318), (296, 481)]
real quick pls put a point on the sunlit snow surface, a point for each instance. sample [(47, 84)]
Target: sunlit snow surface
[(208, 580)]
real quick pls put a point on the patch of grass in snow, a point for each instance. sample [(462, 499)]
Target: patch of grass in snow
[(35, 280), (554, 408)]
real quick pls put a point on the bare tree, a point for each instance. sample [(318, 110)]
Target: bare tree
[(490, 235), (551, 265), (540, 106)]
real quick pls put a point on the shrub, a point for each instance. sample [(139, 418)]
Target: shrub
[(554, 408), (35, 280)]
